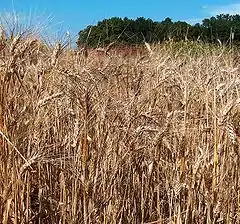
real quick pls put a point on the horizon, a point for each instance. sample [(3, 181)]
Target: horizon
[(58, 17)]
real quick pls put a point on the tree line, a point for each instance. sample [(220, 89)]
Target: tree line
[(223, 28)]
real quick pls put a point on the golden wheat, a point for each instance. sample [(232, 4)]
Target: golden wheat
[(145, 136)]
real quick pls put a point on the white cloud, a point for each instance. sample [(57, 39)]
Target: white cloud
[(193, 21), (222, 9), (213, 10)]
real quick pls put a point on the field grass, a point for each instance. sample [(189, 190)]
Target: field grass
[(148, 135)]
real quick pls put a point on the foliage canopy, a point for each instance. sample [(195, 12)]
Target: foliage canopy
[(224, 28)]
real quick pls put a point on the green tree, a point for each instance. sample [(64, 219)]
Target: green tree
[(223, 27)]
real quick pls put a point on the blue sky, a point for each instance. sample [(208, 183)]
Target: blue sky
[(74, 15)]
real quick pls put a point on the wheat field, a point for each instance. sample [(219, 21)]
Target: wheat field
[(139, 135)]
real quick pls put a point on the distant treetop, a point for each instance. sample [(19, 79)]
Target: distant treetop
[(223, 28)]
